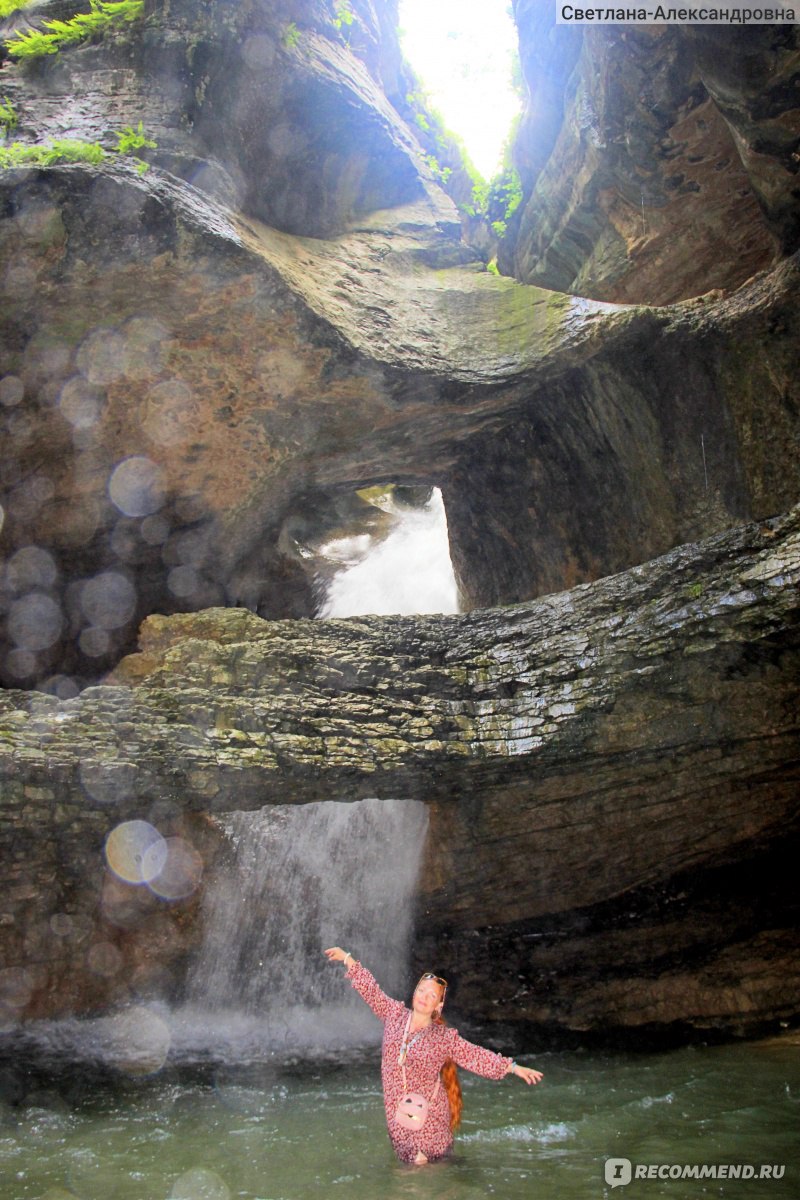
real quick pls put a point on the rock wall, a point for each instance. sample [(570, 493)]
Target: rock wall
[(598, 887), (657, 162), (181, 378), (282, 310)]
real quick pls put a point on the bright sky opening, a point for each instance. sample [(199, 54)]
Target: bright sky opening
[(462, 51)]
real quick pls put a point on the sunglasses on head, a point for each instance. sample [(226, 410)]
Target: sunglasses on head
[(436, 979)]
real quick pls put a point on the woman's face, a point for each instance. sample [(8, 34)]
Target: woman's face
[(428, 997)]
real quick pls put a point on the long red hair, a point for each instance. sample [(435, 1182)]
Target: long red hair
[(451, 1085)]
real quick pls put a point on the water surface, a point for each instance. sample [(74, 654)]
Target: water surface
[(269, 1131)]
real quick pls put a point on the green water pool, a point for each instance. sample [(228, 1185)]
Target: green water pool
[(272, 1132)]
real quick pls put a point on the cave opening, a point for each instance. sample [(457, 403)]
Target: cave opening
[(466, 56), (381, 550)]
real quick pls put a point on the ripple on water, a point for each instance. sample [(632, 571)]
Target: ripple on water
[(545, 1135)]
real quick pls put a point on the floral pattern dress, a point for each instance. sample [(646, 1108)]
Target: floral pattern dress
[(427, 1052)]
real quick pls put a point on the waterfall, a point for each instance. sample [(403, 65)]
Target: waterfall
[(300, 879), (408, 572)]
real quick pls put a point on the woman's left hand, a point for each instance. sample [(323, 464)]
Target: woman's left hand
[(526, 1074)]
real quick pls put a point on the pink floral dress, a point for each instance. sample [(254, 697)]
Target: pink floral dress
[(427, 1052)]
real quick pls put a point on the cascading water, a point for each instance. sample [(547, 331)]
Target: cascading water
[(300, 879), (409, 571)]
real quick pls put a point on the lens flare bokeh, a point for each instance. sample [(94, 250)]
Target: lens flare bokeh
[(136, 852)]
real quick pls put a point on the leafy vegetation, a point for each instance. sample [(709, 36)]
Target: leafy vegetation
[(503, 197), (67, 150), (46, 154), (8, 117), (444, 147), (129, 140), (437, 170), (343, 15), (291, 35), (7, 7), (103, 15)]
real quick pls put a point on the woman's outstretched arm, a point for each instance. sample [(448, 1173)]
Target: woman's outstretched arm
[(485, 1062), (364, 983)]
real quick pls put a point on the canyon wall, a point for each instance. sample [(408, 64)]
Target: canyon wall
[(198, 360), (611, 774)]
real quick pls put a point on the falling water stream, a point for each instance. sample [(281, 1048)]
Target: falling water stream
[(409, 571), (300, 879), (265, 1084)]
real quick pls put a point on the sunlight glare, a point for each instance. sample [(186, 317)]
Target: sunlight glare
[(462, 52)]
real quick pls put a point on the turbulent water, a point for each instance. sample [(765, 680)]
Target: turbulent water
[(270, 1133), (266, 1086)]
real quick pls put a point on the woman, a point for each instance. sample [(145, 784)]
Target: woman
[(419, 1056)]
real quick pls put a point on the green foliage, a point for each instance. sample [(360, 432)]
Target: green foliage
[(492, 267), (66, 150), (21, 154), (7, 7), (8, 117), (508, 189), (129, 140), (439, 172), (343, 15), (291, 35), (103, 15), (502, 198)]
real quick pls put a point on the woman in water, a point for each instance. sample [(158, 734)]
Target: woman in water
[(420, 1054)]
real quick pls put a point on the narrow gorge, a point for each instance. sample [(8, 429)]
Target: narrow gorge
[(203, 363)]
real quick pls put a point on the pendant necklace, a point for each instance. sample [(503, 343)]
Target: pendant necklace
[(406, 1044)]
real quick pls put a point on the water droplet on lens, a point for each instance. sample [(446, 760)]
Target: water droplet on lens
[(80, 402), (35, 621), (200, 1184), (109, 600), (136, 486), (12, 390), (126, 848), (31, 566), (180, 873)]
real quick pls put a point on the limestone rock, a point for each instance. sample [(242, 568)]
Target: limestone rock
[(663, 165), (611, 774), (282, 310)]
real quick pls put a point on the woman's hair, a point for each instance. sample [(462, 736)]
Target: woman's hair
[(451, 1085)]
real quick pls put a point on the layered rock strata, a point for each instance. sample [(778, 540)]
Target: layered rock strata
[(656, 162), (565, 859), (282, 310)]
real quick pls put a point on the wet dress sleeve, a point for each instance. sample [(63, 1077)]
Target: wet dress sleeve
[(367, 987)]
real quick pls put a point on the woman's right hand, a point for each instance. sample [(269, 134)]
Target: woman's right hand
[(336, 954)]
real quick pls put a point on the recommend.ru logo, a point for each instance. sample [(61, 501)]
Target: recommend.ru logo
[(620, 1171)]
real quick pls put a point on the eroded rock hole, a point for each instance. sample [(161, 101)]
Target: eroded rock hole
[(380, 550)]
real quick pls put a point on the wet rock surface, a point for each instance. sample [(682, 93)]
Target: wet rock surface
[(656, 162), (196, 361), (581, 754), (191, 357), (171, 413)]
